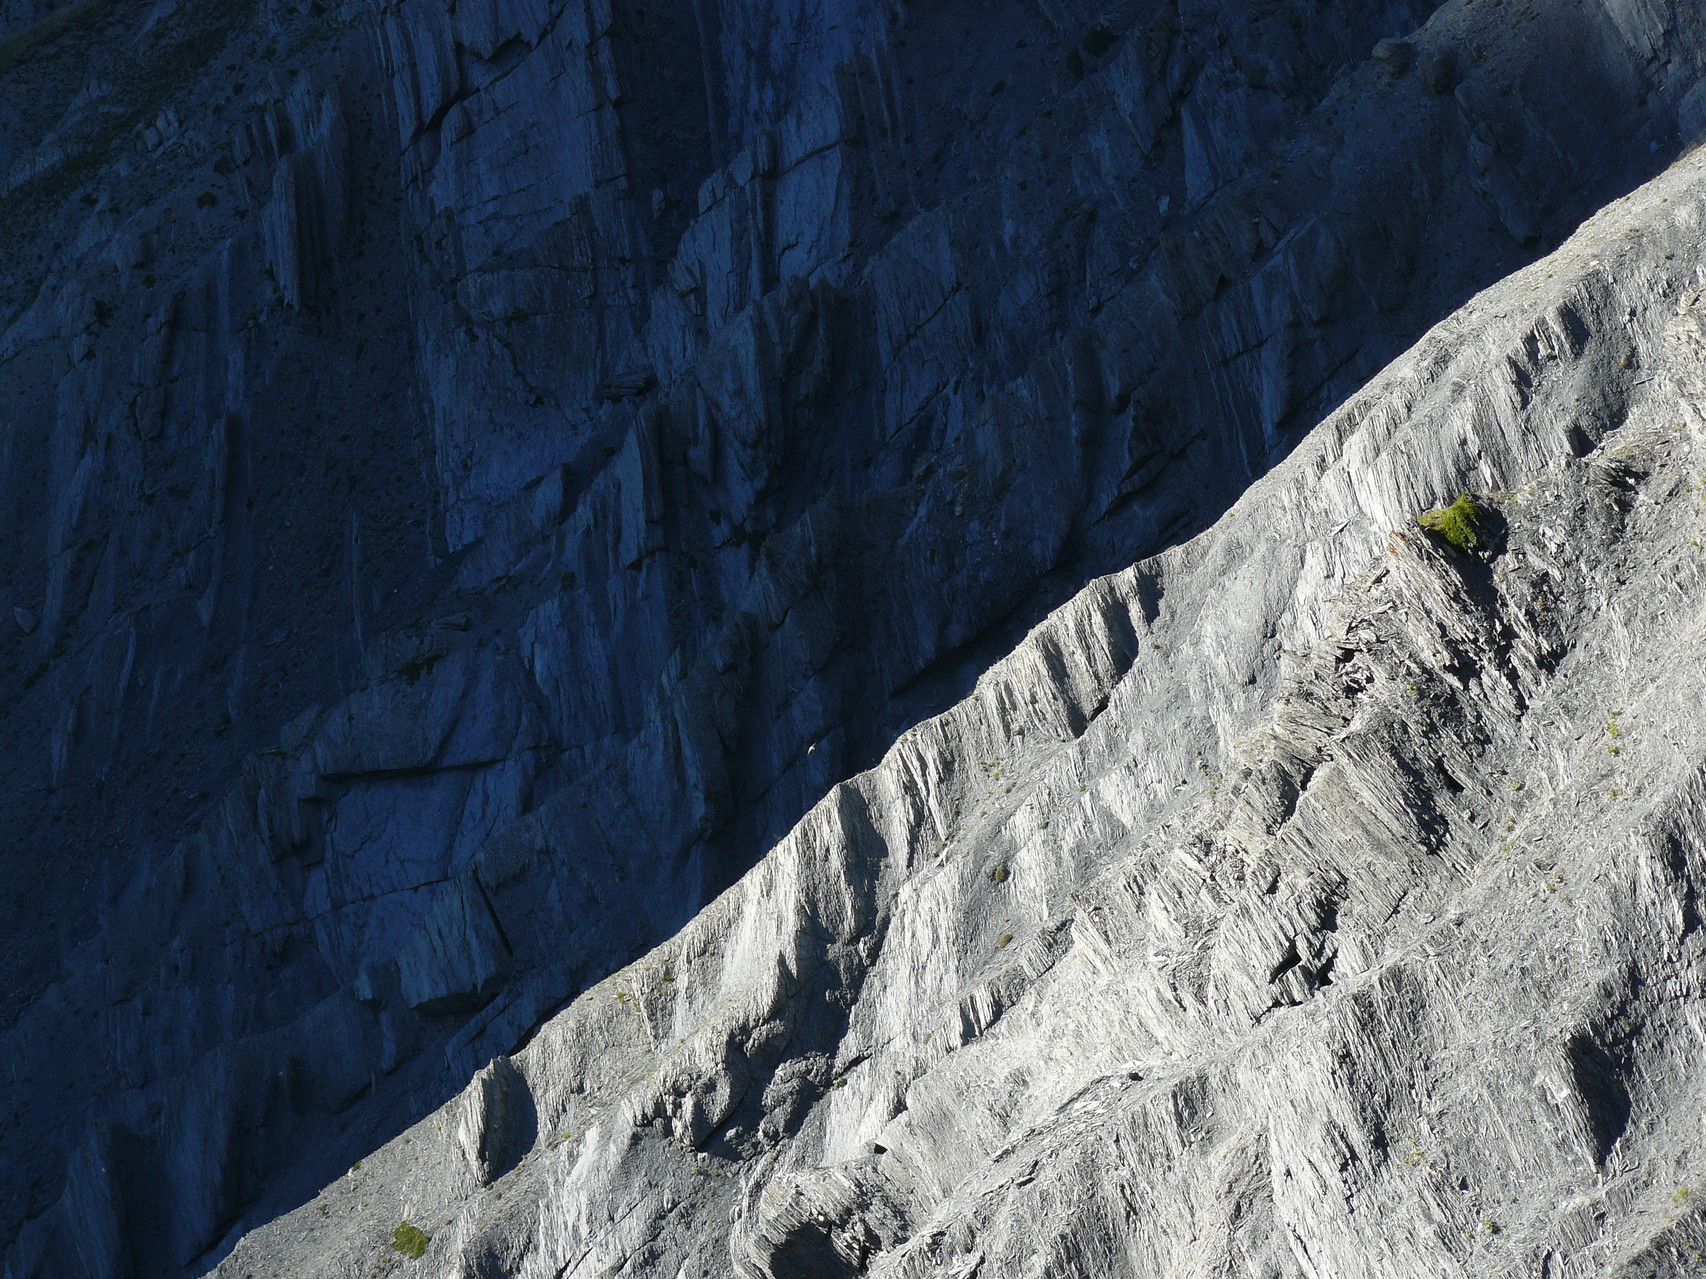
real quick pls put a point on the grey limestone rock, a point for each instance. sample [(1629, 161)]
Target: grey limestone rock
[(496, 1124), (499, 490), (1313, 898)]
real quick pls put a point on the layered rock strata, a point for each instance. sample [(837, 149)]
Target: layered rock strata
[(1314, 898), (475, 479)]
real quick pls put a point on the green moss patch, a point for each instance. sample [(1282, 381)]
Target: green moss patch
[(1459, 524), (409, 1240)]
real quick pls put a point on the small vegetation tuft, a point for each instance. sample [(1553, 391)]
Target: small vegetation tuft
[(1459, 524), (410, 1240)]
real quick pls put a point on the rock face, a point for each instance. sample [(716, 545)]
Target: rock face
[(483, 483), (1313, 898)]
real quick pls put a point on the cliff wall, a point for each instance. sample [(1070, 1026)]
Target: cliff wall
[(476, 479)]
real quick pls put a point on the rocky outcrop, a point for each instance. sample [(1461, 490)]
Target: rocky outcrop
[(497, 1126), (1313, 898), (476, 479)]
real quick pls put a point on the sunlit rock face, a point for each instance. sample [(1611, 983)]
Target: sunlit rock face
[(664, 623)]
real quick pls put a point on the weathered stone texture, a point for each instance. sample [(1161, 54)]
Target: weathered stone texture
[(480, 480), (1313, 898)]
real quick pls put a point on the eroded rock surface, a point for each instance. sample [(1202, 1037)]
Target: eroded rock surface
[(476, 480), (1314, 898)]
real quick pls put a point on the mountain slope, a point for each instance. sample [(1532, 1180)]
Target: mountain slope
[(475, 478), (1315, 898)]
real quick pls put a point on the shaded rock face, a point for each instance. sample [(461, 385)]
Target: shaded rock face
[(477, 478)]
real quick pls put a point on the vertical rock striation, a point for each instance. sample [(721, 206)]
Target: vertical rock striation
[(1313, 898), (476, 479)]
